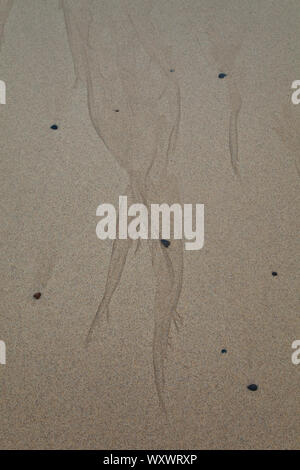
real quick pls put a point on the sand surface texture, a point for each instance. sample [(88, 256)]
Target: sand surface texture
[(165, 101)]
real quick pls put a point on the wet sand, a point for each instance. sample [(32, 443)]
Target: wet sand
[(119, 345)]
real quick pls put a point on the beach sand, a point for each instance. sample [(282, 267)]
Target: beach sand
[(180, 134)]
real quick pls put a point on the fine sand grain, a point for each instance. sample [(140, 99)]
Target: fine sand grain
[(140, 344)]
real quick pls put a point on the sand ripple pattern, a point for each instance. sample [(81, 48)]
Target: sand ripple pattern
[(134, 106)]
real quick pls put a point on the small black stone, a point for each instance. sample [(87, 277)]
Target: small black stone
[(166, 243), (224, 351), (274, 273), (172, 70), (37, 295), (54, 127), (117, 110), (222, 75), (252, 387)]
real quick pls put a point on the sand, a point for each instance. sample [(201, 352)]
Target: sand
[(134, 90)]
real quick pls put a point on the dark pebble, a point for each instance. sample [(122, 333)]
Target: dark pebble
[(117, 110), (252, 387), (172, 70), (166, 243), (54, 127), (222, 75), (37, 295), (274, 273), (224, 351)]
